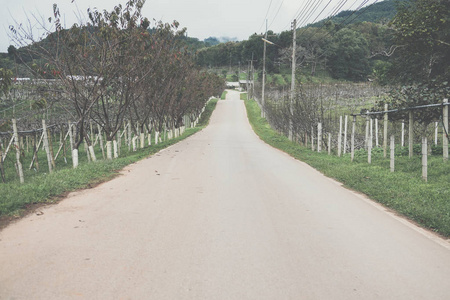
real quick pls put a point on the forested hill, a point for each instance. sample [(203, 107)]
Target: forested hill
[(380, 12)]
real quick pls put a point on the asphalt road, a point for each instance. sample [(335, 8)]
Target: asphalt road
[(221, 215)]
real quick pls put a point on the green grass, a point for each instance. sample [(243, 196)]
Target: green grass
[(45, 188), (404, 191), (243, 96), (224, 95)]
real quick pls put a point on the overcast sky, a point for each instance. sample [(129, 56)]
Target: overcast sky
[(202, 18)]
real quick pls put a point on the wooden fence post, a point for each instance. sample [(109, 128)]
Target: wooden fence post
[(366, 140), (17, 146), (369, 146), (340, 137), (403, 133), (353, 137), (87, 150), (329, 143), (392, 153), (319, 137), (70, 136), (424, 159), (72, 147), (445, 131), (436, 127), (149, 129), (345, 134), (411, 133), (91, 152), (385, 131), (46, 147), (100, 136), (2, 172), (376, 133), (119, 143), (129, 136)]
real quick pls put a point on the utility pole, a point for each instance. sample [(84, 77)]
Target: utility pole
[(291, 106), (263, 109), (252, 70), (247, 79)]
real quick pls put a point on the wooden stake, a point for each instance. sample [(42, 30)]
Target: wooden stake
[(436, 126), (7, 148), (424, 159), (17, 146), (100, 136), (366, 140), (353, 137), (345, 134), (403, 133), (385, 131), (411, 133), (47, 147), (340, 137), (329, 143), (63, 142), (445, 131), (319, 137), (392, 148), (376, 133), (2, 171)]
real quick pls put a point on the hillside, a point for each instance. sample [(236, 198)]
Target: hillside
[(380, 12)]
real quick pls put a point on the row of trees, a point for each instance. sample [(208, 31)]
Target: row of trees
[(114, 67)]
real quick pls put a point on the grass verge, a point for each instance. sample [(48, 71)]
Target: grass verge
[(48, 188), (224, 95), (428, 204)]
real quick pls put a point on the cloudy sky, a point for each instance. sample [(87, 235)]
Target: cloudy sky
[(203, 18)]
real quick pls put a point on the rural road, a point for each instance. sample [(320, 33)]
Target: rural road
[(221, 215)]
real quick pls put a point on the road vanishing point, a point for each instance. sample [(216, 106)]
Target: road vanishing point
[(221, 215)]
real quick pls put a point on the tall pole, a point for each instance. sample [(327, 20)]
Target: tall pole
[(291, 106), (264, 77), (252, 77), (445, 130)]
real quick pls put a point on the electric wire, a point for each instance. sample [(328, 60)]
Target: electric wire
[(274, 18), (267, 13), (300, 17), (311, 12), (361, 12)]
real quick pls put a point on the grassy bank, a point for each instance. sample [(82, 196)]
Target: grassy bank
[(428, 204), (224, 95), (46, 188)]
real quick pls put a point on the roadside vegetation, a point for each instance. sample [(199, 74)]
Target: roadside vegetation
[(48, 188), (403, 191), (224, 95)]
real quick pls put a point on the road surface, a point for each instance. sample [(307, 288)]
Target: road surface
[(221, 215)]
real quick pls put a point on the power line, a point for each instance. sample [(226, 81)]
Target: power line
[(279, 8), (267, 13), (311, 12), (299, 17)]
